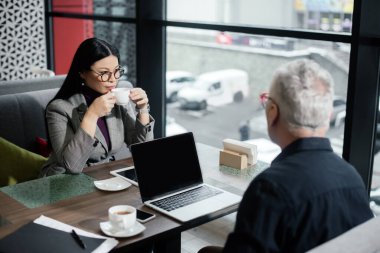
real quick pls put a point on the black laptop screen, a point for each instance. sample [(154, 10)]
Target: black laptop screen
[(166, 165)]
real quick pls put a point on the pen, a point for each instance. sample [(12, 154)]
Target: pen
[(78, 239)]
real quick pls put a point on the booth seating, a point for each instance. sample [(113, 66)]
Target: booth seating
[(25, 85), (22, 108), (22, 127)]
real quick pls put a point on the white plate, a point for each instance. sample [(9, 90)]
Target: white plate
[(112, 184), (107, 228)]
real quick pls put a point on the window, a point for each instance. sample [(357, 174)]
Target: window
[(226, 35), (242, 26), (234, 99), (70, 32), (125, 8), (333, 16)]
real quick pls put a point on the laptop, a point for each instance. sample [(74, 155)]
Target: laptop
[(170, 179)]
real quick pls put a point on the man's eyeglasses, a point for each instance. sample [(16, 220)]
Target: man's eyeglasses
[(264, 97), (105, 76)]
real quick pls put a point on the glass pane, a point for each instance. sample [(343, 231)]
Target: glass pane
[(69, 33), (375, 186), (125, 8), (334, 15), (213, 112), (48, 190)]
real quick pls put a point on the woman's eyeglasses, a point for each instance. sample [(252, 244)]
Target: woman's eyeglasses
[(105, 76)]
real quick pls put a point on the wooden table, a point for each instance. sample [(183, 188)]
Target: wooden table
[(86, 210)]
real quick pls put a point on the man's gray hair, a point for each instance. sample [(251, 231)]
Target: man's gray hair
[(304, 92)]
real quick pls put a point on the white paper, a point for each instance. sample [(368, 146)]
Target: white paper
[(242, 148), (106, 246)]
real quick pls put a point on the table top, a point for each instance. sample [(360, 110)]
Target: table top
[(73, 199)]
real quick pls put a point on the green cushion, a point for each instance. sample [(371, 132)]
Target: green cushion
[(17, 164)]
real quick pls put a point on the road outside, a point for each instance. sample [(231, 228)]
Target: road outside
[(213, 125)]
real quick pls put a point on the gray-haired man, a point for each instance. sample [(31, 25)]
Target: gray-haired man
[(309, 194)]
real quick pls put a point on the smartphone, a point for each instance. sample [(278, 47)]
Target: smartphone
[(143, 216), (128, 173)]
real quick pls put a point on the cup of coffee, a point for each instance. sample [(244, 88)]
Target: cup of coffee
[(122, 217), (122, 95)]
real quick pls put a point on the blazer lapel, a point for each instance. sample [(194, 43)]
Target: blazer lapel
[(100, 137), (115, 131), (81, 109)]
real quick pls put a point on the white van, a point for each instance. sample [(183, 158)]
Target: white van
[(215, 88), (176, 80)]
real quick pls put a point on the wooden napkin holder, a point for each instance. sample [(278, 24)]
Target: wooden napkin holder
[(233, 159)]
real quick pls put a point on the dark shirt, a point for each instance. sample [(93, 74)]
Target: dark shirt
[(307, 196), (90, 95)]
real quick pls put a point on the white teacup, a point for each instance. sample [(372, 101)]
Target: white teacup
[(122, 95), (122, 217)]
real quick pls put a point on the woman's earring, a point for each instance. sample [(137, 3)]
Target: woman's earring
[(82, 84)]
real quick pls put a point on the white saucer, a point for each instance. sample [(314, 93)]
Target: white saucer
[(112, 184), (107, 228)]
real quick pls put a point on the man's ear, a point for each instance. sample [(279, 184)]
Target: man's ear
[(273, 114), (330, 113)]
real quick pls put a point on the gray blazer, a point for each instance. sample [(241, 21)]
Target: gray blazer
[(74, 149)]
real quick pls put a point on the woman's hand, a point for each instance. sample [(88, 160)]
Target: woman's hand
[(102, 105), (99, 108), (139, 97)]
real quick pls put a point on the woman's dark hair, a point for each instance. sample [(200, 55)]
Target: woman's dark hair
[(88, 52)]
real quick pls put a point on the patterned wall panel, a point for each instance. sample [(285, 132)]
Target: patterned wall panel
[(22, 38)]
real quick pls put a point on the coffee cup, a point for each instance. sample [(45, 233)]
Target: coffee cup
[(121, 95), (122, 217)]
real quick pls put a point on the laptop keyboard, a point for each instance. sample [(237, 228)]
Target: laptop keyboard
[(186, 198)]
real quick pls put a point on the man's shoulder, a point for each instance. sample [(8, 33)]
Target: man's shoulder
[(312, 166), (301, 179)]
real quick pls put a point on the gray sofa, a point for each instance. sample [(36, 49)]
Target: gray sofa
[(21, 86), (22, 113), (22, 117)]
